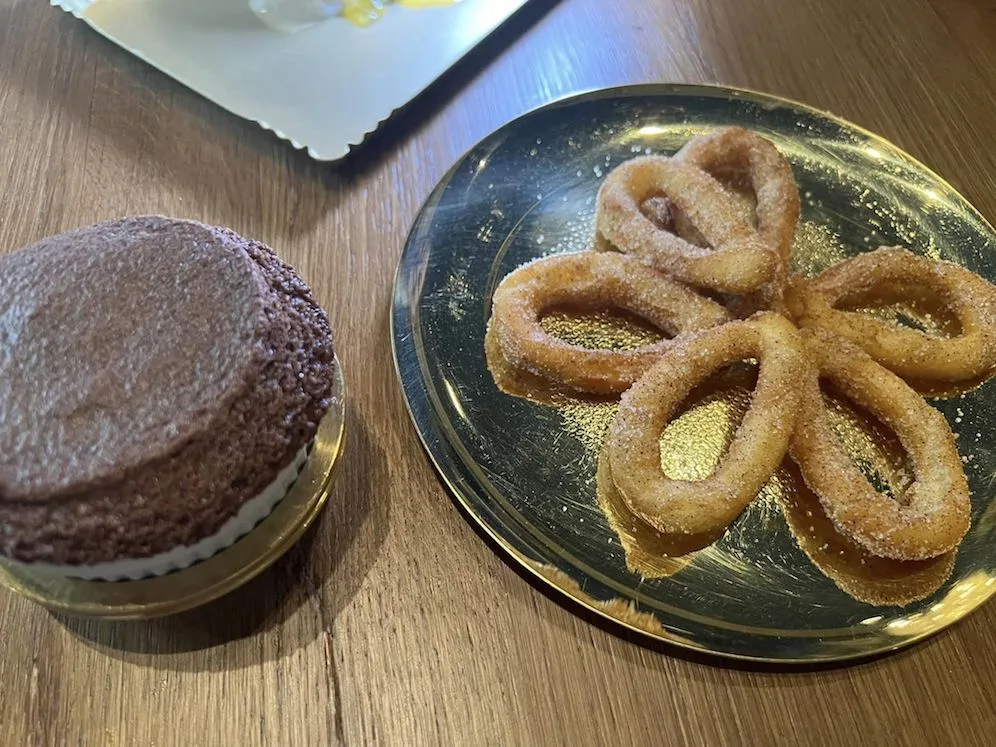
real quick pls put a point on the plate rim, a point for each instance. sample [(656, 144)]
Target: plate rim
[(399, 322)]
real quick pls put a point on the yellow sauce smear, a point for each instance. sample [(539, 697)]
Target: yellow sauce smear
[(365, 12)]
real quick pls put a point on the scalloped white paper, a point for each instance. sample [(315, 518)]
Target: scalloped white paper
[(324, 88)]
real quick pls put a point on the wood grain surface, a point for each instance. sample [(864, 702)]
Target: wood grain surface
[(394, 623)]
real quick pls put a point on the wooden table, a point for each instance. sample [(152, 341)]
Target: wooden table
[(395, 623)]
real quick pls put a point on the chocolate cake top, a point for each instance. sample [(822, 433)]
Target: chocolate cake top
[(117, 342), (154, 375)]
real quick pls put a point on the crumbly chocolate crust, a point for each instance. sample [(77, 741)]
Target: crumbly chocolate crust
[(155, 375)]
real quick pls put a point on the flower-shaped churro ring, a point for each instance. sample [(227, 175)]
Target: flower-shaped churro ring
[(674, 218), (591, 280), (737, 156), (758, 446), (933, 515), (740, 261), (745, 160), (895, 274), (857, 572)]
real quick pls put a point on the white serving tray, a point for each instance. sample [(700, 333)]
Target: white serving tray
[(324, 88)]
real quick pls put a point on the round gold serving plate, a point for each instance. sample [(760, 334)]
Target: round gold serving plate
[(212, 578), (778, 586)]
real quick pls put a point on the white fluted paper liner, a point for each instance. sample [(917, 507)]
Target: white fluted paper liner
[(248, 518)]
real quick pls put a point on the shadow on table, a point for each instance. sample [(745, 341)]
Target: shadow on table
[(291, 604), (380, 144), (226, 167)]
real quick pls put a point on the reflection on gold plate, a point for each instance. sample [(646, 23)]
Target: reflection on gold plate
[(780, 584), (866, 578), (649, 552), (212, 578), (616, 609)]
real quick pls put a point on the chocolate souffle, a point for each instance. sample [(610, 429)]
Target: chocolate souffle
[(157, 376)]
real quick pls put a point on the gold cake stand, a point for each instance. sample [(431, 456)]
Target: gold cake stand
[(211, 578)]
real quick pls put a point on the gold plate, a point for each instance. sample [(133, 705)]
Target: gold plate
[(205, 581), (779, 586)]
